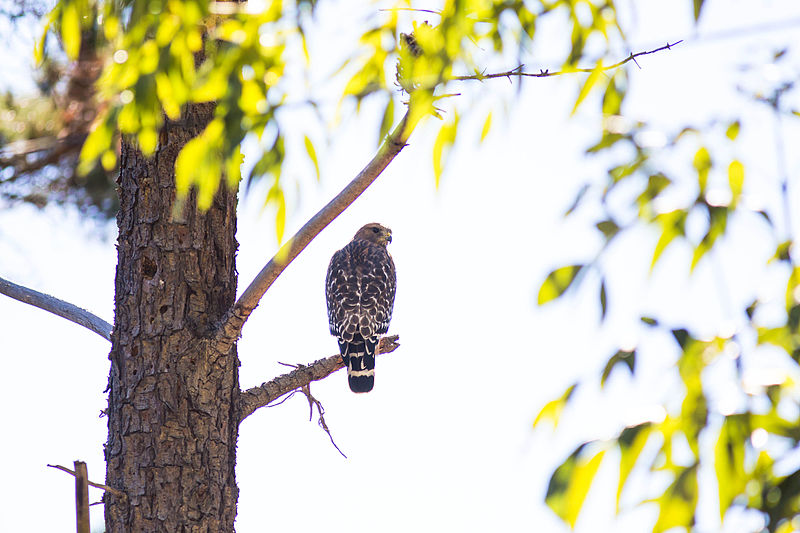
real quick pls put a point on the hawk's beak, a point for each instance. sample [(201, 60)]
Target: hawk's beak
[(388, 237)]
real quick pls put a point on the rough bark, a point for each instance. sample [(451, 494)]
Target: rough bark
[(173, 400)]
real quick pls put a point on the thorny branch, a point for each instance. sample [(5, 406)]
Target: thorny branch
[(518, 71)]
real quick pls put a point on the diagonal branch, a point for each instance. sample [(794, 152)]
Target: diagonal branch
[(71, 312), (257, 397), (231, 327)]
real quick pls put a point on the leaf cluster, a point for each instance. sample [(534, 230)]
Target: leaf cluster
[(691, 202)]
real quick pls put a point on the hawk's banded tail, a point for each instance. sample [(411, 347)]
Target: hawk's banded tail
[(359, 358)]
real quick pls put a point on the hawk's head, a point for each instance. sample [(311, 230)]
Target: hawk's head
[(376, 233)]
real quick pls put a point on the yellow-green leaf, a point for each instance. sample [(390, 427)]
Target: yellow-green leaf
[(233, 167), (672, 225), (38, 50), (702, 164), (71, 30), (631, 443), (108, 160), (98, 141), (276, 197), (557, 282), (622, 356), (387, 121), (148, 140), (312, 155), (487, 124), (280, 218), (441, 146), (591, 80), (736, 178), (571, 481), (729, 460), (733, 130), (552, 409), (677, 504)]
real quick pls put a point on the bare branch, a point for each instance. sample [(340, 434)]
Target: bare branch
[(546, 73), (58, 307), (230, 328), (106, 488), (268, 392)]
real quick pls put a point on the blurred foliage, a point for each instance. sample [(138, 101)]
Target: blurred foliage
[(749, 448), (165, 55), (41, 134)]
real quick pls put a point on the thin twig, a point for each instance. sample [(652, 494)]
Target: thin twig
[(112, 490), (313, 402), (518, 71), (71, 312)]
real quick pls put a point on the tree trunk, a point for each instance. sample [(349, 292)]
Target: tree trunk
[(172, 408)]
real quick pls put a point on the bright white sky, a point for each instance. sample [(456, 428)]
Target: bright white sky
[(444, 442)]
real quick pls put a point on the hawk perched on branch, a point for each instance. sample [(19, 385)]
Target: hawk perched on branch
[(360, 288)]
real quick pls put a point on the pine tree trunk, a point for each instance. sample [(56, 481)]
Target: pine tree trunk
[(172, 413)]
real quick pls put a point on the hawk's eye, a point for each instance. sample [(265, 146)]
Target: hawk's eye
[(374, 230)]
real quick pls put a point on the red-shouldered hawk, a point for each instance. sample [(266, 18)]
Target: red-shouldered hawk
[(360, 288)]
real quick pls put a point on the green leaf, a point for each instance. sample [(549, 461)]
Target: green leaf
[(631, 443), (702, 164), (612, 98), (38, 49), (557, 282), (622, 356), (736, 179), (782, 252), (603, 300), (552, 409), (718, 222), (698, 7), (71, 30), (682, 337), (650, 321), (672, 226), (578, 198), (606, 141), (591, 80), (609, 228), (312, 155), (729, 457), (387, 121), (280, 218), (571, 481), (677, 504), (95, 145), (656, 183), (733, 130), (780, 336), (487, 124), (441, 147), (233, 167)]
